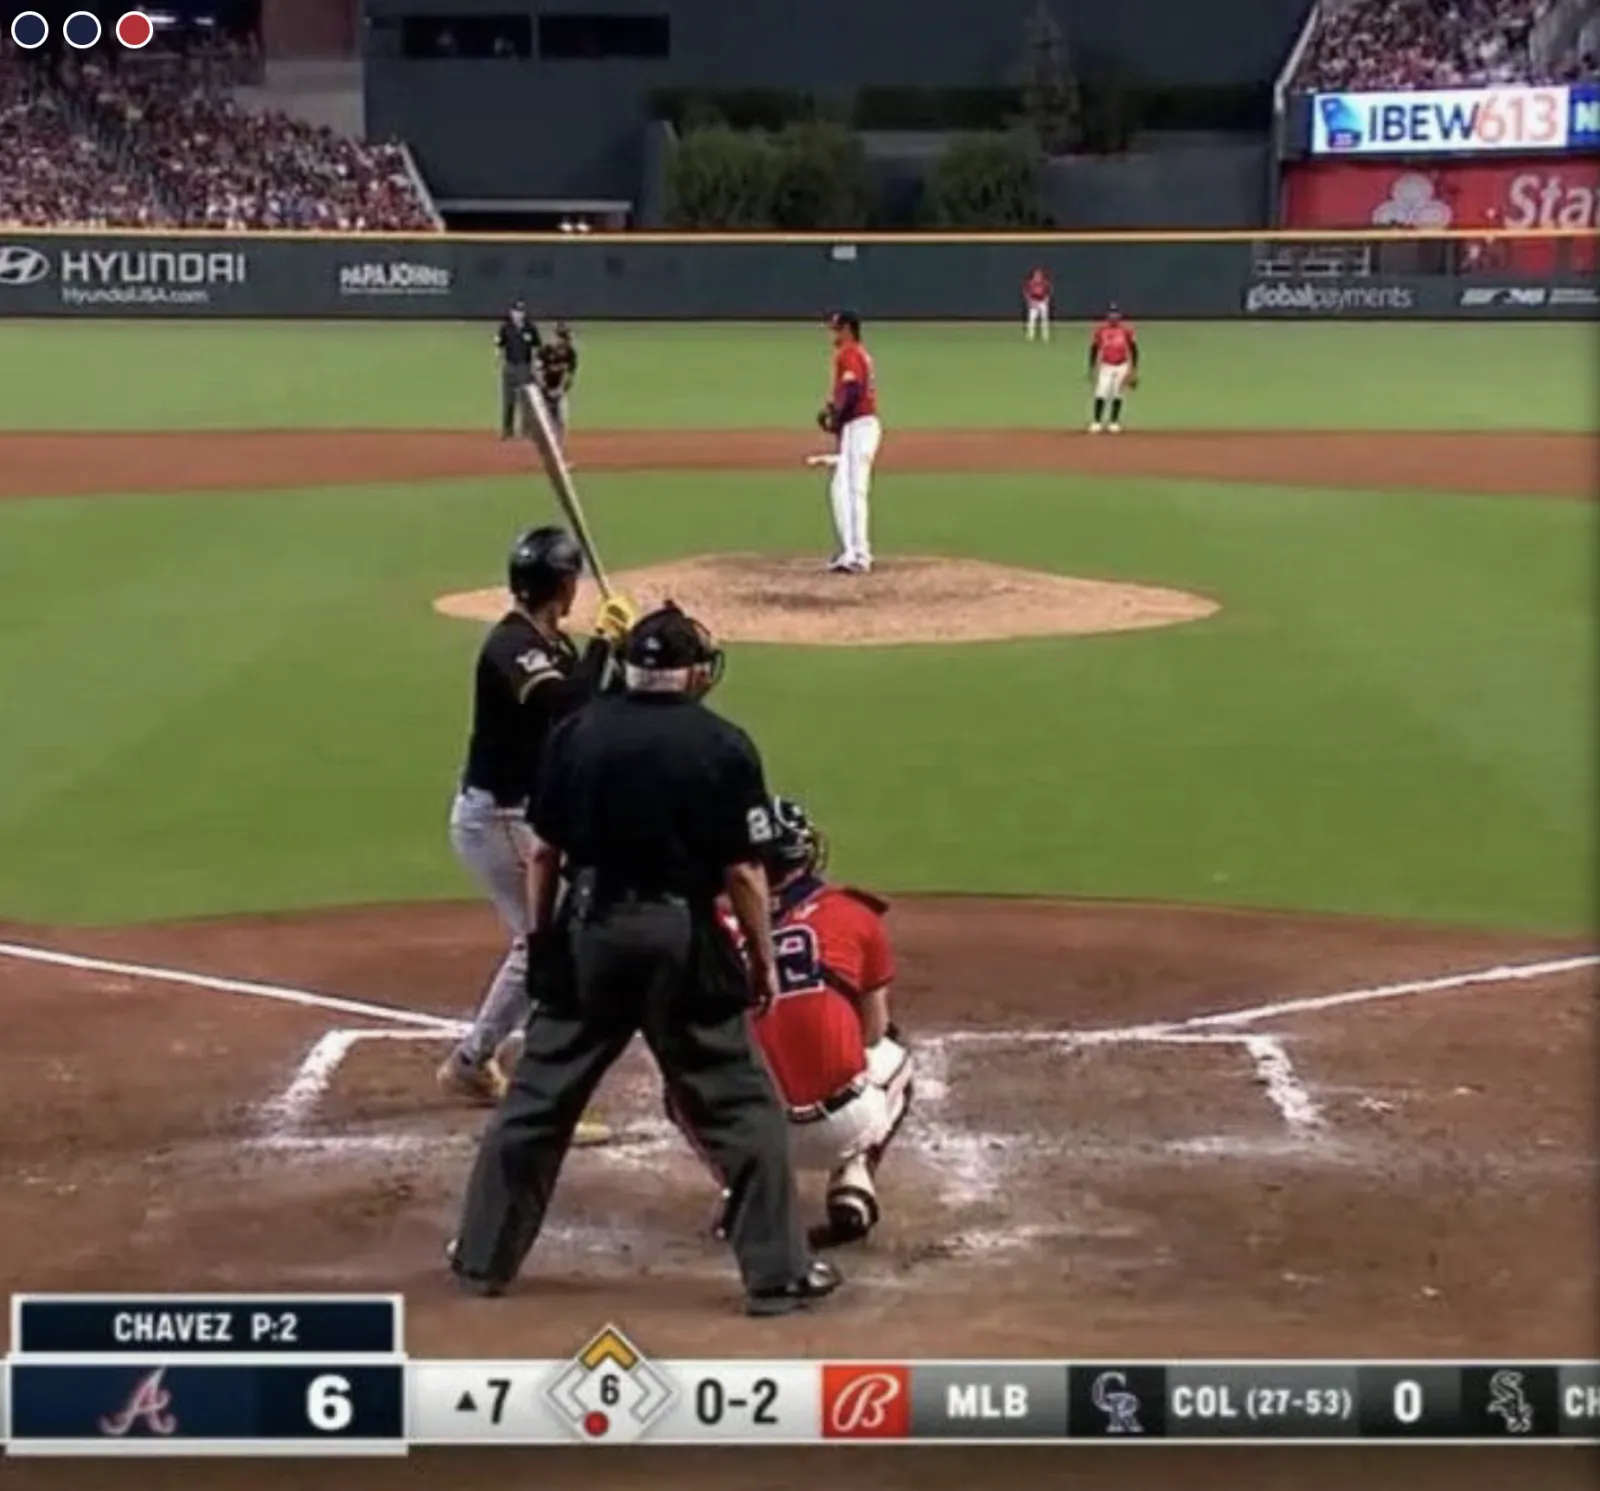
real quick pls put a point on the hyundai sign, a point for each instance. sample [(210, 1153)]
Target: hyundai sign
[(1456, 121)]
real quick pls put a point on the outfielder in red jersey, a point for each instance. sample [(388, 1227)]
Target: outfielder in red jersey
[(1113, 367), (839, 1065), (1036, 292)]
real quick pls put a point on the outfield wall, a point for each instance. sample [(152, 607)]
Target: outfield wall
[(769, 277)]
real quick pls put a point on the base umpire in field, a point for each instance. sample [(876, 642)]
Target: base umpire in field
[(517, 342), (655, 805)]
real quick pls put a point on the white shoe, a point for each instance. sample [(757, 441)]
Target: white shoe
[(1115, 429), (839, 565), (1094, 429)]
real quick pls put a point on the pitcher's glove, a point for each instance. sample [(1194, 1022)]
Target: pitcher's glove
[(827, 420), (1132, 381)]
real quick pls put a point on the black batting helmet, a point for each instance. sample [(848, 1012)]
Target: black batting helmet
[(542, 559), (797, 844)]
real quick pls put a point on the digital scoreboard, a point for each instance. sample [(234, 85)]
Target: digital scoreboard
[(248, 1375)]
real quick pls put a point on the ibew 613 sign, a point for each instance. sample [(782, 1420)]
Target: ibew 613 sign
[(1444, 121)]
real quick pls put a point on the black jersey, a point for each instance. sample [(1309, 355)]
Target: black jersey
[(558, 367), (526, 680), (654, 793)]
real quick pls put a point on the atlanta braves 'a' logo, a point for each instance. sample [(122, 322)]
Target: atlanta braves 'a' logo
[(149, 1402)]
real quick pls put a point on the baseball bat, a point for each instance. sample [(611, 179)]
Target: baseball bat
[(543, 434)]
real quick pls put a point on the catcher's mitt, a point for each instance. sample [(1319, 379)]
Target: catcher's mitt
[(825, 419)]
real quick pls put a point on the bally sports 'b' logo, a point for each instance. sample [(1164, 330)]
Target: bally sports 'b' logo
[(860, 1402), (149, 1403)]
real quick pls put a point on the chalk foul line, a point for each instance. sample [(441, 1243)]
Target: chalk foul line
[(249, 988)]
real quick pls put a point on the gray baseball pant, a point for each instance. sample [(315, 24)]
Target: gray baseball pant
[(494, 844)]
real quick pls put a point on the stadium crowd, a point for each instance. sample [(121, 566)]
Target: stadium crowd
[(158, 147), (1377, 45)]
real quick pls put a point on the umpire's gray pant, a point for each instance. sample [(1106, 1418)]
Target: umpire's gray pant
[(512, 381)]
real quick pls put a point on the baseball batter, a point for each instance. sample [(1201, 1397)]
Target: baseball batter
[(840, 1067), (851, 414), (1036, 293), (528, 675), (1113, 369)]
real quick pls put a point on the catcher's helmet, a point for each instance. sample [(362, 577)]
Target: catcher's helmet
[(798, 846), (541, 561)]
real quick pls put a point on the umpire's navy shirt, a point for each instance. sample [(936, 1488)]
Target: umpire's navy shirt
[(655, 793), (517, 344)]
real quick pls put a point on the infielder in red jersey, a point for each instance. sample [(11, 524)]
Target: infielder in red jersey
[(851, 414), (1113, 368), (838, 1062), (1036, 292)]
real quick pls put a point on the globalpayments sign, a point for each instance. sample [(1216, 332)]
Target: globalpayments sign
[(1457, 121)]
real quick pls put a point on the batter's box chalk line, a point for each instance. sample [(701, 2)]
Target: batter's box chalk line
[(285, 1117)]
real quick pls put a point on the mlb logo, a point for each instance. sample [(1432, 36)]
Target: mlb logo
[(866, 1402), (1341, 124)]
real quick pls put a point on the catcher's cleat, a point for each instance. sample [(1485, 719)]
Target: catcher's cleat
[(814, 1285), (852, 1214), (481, 1083)]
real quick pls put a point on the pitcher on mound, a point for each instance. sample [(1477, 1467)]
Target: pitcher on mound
[(851, 414)]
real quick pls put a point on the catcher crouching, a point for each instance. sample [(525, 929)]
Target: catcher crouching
[(842, 1072)]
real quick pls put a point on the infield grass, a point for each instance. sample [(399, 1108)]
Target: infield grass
[(221, 704), (62, 375)]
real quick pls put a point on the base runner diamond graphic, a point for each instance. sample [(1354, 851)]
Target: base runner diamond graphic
[(610, 1393)]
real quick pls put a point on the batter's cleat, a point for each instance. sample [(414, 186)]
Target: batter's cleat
[(481, 1083), (814, 1285), (591, 1132)]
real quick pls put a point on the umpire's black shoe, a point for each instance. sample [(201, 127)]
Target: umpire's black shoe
[(815, 1284), (474, 1284)]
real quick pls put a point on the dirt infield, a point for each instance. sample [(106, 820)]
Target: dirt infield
[(47, 465), (1371, 1176)]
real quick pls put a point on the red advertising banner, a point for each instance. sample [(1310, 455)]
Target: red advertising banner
[(1528, 193)]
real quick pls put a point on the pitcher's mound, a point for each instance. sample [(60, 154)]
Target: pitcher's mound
[(762, 598)]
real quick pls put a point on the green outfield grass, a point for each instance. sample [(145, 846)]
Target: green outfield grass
[(216, 704), (130, 375)]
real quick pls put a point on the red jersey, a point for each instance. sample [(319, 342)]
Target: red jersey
[(831, 948), (1037, 286), (1113, 342), (852, 363)]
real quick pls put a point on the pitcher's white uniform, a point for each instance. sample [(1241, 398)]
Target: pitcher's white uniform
[(853, 403)]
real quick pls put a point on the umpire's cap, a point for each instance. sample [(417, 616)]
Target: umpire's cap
[(542, 559), (668, 651)]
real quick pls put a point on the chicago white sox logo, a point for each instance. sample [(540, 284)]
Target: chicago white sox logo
[(150, 1402), (863, 1405)]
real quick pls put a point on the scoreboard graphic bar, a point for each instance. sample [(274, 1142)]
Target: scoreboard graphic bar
[(277, 1375)]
